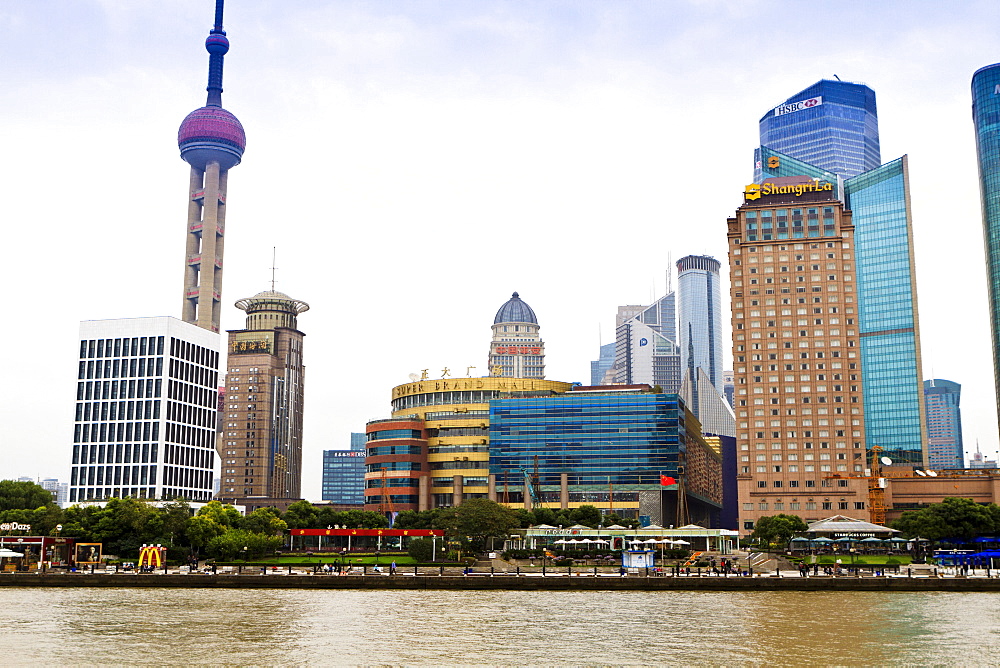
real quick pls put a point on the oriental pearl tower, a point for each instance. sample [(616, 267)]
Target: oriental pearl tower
[(211, 140)]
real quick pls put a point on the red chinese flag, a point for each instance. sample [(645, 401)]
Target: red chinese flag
[(667, 480)]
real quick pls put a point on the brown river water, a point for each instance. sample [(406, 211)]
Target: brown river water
[(269, 627)]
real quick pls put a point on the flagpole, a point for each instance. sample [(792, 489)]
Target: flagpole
[(611, 496)]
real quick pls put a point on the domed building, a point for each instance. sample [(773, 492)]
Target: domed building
[(517, 350), (261, 441)]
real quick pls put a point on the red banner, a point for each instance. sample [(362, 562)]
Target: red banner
[(367, 532)]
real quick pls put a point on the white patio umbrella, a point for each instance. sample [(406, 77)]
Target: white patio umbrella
[(10, 553), (561, 541), (681, 542)]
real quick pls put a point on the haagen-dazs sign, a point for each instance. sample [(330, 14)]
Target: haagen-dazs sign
[(14, 526)]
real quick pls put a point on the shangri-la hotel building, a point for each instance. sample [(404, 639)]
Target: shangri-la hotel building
[(798, 395)]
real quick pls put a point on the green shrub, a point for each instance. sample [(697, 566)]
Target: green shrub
[(421, 549), (892, 561), (566, 561)]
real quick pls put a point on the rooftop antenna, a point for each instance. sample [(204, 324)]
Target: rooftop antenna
[(274, 256), (836, 77), (670, 271)]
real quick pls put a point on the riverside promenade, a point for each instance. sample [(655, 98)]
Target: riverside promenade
[(787, 581)]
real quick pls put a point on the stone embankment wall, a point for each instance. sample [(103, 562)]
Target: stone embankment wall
[(506, 582)]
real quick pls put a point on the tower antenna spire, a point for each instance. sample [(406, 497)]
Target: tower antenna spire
[(217, 45), (274, 256)]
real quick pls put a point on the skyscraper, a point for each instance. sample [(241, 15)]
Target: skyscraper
[(831, 124), (700, 317), (646, 345), (145, 410), (600, 366), (344, 473), (261, 445), (986, 119), (212, 141), (799, 410), (887, 315), (846, 155), (944, 424), (517, 350), (147, 390)]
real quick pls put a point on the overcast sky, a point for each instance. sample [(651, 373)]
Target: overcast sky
[(416, 162)]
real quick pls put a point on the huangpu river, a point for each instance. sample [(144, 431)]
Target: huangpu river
[(239, 627)]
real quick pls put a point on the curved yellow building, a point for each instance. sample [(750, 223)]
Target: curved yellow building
[(455, 464)]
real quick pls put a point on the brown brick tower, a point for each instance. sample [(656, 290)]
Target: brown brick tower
[(798, 395), (261, 438)]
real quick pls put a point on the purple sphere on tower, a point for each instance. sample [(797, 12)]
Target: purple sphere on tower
[(212, 134)]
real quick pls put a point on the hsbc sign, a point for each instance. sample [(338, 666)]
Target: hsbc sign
[(798, 106)]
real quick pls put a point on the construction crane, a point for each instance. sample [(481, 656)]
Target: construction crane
[(876, 488), (876, 485), (531, 482), (386, 499)]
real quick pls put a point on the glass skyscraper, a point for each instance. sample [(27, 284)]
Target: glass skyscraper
[(700, 310), (944, 424), (831, 124), (887, 316), (600, 366), (344, 473), (646, 345), (887, 304), (986, 118)]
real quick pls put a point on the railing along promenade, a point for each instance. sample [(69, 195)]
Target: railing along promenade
[(444, 578)]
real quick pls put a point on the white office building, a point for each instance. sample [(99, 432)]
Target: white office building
[(146, 403)]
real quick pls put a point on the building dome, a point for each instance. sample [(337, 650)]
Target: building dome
[(211, 133), (272, 300), (515, 310)]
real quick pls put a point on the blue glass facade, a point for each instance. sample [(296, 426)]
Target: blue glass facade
[(986, 119), (344, 473), (831, 124), (631, 438), (603, 442), (887, 306), (887, 299)]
